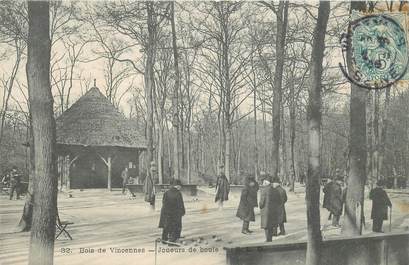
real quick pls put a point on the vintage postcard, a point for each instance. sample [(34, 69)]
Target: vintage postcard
[(204, 132)]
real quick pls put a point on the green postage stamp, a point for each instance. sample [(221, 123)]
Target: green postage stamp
[(379, 49)]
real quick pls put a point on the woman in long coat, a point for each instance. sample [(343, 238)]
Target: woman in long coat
[(222, 189), (248, 200), (171, 213), (270, 208)]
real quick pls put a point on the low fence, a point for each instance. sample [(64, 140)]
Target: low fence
[(188, 189), (373, 249)]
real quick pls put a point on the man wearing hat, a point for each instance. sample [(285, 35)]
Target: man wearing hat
[(380, 204), (171, 213), (222, 188), (270, 208)]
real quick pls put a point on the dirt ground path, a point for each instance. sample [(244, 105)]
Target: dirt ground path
[(111, 228)]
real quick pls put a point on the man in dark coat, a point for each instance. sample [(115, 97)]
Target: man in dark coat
[(248, 200), (334, 202), (15, 182), (283, 217), (222, 188), (380, 203), (171, 213), (270, 208)]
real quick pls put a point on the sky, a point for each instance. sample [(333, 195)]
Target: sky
[(85, 72)]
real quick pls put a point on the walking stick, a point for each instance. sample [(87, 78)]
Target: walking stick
[(390, 219)]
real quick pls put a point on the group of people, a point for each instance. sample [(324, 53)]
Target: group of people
[(335, 197), (13, 181), (272, 205), (272, 200)]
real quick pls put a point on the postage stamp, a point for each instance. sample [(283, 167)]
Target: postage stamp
[(379, 50)]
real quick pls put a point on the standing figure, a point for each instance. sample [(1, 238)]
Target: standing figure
[(149, 186), (270, 208), (171, 213), (327, 190), (15, 181), (283, 217), (380, 203), (125, 177), (222, 188), (334, 202), (248, 200)]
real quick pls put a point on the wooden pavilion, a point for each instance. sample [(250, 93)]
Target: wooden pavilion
[(95, 142)]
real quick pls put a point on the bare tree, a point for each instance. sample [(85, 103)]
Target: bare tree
[(312, 194), (282, 21), (13, 35), (43, 124), (354, 204), (175, 99)]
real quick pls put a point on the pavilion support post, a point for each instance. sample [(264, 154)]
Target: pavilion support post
[(109, 165), (137, 164), (66, 170)]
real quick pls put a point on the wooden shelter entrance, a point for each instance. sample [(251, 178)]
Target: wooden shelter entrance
[(95, 142)]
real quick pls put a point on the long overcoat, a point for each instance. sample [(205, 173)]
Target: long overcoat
[(270, 207), (248, 200), (222, 189), (380, 203), (173, 208), (333, 198), (283, 194), (149, 190)]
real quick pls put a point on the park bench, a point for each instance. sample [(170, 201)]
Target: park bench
[(61, 227)]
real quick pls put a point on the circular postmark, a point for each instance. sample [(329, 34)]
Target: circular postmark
[(379, 52)]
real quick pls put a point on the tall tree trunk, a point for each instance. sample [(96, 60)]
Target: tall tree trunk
[(314, 125), (369, 138), (264, 136), (175, 99), (354, 205), (41, 107), (149, 81), (228, 100), (255, 146), (227, 151), (375, 157), (384, 131), (189, 147), (292, 134), (284, 150), (282, 20), (160, 153)]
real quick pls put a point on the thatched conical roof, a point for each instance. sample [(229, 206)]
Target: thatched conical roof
[(93, 121)]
